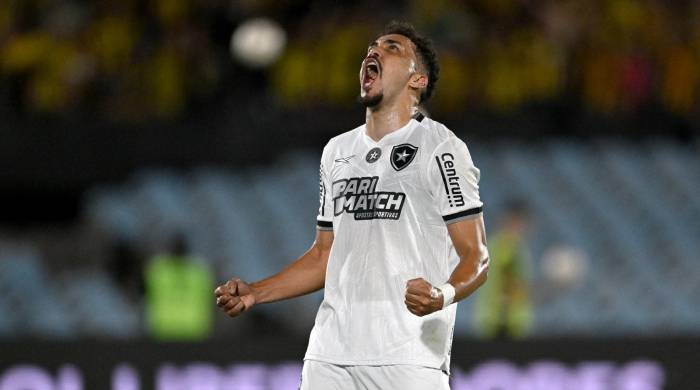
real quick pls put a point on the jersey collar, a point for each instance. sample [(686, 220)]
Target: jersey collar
[(415, 119)]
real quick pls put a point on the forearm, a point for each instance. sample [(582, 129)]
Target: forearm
[(423, 298), (305, 275), (468, 276), (469, 239)]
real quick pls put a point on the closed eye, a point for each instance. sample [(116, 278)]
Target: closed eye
[(393, 45)]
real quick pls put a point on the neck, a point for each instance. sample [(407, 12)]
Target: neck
[(385, 119)]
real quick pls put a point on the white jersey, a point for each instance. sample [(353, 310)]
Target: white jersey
[(388, 204)]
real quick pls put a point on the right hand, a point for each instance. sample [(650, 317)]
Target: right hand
[(234, 297)]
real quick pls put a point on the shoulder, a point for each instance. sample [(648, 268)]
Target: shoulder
[(437, 135), (343, 138)]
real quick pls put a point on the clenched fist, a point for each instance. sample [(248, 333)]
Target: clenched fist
[(234, 297), (422, 298)]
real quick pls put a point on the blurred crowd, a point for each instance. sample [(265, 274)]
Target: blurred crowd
[(612, 56), (122, 59), (139, 60)]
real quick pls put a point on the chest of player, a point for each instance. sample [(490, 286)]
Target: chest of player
[(377, 181)]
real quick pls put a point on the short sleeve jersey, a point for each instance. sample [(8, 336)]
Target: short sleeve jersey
[(388, 204)]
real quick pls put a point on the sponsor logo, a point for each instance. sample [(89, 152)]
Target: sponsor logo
[(450, 179), (402, 155), (373, 155), (359, 196)]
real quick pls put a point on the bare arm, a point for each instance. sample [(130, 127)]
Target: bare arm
[(305, 275), (469, 239)]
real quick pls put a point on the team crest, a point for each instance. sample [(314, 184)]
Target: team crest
[(402, 155)]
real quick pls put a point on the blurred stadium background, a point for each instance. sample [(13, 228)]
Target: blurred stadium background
[(144, 142)]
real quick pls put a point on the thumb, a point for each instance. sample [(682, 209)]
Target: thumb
[(413, 282)]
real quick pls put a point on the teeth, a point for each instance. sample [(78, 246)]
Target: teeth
[(372, 65), (372, 70)]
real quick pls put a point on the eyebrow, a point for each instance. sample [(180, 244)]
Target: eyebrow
[(389, 41)]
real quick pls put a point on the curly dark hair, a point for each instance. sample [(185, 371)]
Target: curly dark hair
[(425, 51)]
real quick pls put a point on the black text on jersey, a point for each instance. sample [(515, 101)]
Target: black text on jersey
[(450, 179)]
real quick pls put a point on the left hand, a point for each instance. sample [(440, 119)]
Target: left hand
[(418, 300)]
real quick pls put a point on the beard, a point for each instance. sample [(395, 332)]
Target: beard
[(370, 101)]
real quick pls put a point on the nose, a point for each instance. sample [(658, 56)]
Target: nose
[(374, 53)]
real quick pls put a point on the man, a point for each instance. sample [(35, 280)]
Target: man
[(178, 285), (400, 236)]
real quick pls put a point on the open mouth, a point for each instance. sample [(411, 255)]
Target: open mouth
[(372, 71)]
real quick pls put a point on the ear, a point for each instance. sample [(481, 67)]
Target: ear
[(418, 81)]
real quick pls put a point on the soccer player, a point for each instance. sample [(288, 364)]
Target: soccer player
[(400, 236)]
